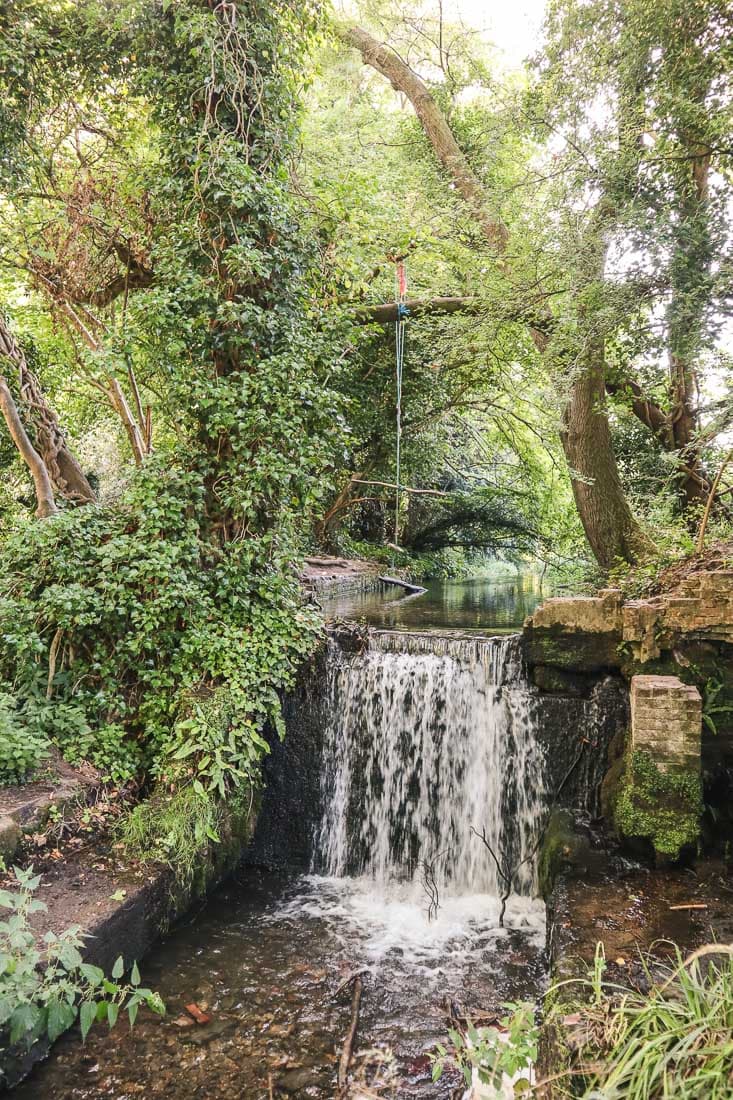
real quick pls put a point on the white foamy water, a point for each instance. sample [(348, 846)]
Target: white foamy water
[(430, 737), (391, 927)]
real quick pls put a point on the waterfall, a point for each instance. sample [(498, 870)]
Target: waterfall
[(430, 735)]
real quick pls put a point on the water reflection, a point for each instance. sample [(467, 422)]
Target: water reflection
[(479, 604)]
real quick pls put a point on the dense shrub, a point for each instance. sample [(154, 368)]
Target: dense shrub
[(21, 748)]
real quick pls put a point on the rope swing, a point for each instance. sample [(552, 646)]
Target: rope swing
[(400, 325)]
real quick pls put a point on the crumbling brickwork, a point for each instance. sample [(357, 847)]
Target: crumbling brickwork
[(666, 721)]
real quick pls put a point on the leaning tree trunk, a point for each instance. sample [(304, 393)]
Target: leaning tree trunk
[(604, 511), (34, 462), (65, 473)]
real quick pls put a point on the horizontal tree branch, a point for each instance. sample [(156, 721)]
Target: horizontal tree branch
[(387, 312), (402, 488)]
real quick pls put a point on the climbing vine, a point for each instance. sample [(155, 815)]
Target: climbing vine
[(152, 634)]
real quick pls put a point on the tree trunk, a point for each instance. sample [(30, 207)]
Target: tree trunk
[(65, 473), (34, 462), (612, 532), (691, 263), (436, 127)]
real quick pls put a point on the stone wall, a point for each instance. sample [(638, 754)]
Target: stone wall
[(670, 649), (701, 607), (666, 721)]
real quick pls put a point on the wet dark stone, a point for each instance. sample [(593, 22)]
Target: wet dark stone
[(576, 735), (298, 1079), (574, 652), (291, 802)]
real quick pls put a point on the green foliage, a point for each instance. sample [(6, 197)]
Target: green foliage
[(173, 649), (664, 807), (175, 829), (21, 748), (164, 622), (672, 1041), (493, 1052), (45, 986), (713, 708)]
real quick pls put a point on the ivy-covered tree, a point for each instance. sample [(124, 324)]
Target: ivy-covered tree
[(153, 631)]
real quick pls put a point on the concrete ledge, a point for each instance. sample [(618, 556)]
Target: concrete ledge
[(121, 908), (595, 614)]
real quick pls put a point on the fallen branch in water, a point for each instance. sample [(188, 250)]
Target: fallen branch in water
[(348, 980), (416, 588), (348, 1052)]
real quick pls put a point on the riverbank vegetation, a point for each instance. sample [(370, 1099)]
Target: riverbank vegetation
[(203, 210)]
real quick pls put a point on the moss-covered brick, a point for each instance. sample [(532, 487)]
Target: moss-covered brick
[(661, 807)]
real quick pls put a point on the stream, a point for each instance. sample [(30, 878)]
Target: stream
[(478, 604), (427, 737)]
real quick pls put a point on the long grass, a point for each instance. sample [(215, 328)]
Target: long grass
[(674, 1042)]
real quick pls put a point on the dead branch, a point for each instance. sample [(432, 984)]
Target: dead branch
[(709, 503), (430, 885), (508, 873), (413, 589), (348, 1051)]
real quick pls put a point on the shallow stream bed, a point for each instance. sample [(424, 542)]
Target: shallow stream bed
[(420, 740), (264, 957)]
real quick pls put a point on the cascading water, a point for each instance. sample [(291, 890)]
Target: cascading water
[(430, 738)]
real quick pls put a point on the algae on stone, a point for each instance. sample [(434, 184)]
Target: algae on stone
[(661, 807)]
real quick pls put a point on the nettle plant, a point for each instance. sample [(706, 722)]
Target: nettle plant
[(45, 986), (499, 1058)]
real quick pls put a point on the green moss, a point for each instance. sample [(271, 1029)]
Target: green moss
[(558, 842), (663, 807), (197, 835)]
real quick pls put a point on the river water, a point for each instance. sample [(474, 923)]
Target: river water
[(482, 605), (429, 736)]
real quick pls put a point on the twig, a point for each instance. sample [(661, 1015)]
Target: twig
[(348, 1052), (508, 874)]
